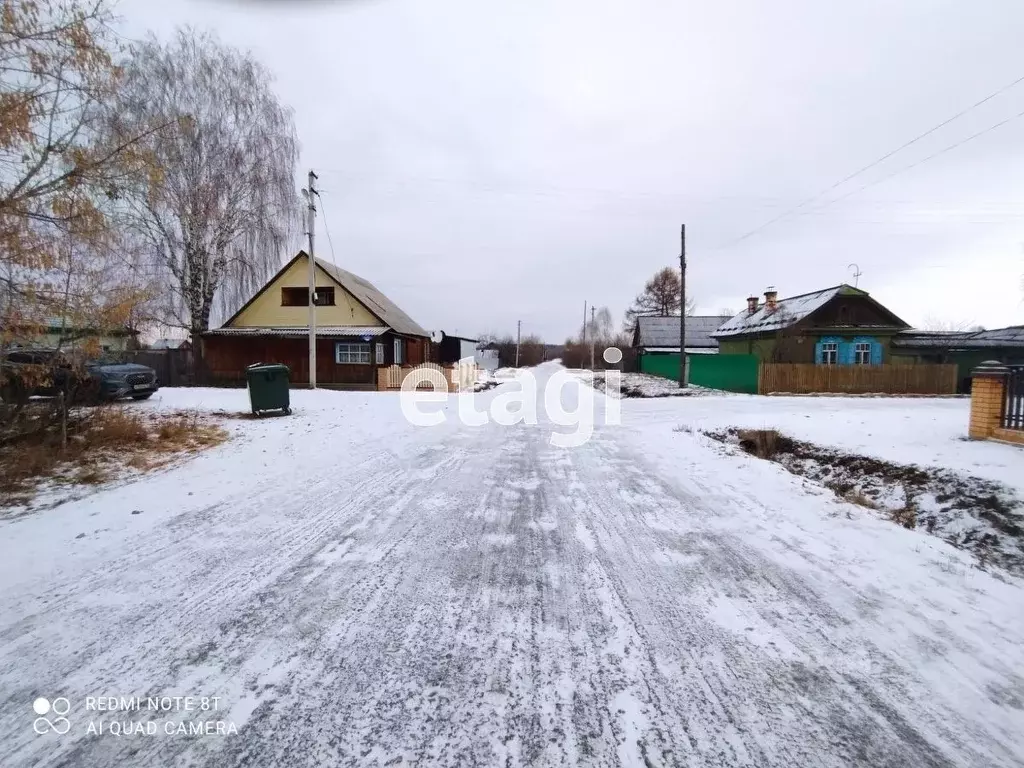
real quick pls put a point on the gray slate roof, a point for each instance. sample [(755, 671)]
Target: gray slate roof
[(1013, 336), (379, 304), (168, 343), (663, 331), (788, 312)]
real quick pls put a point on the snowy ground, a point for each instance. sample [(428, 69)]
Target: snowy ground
[(983, 517), (358, 591), (928, 431)]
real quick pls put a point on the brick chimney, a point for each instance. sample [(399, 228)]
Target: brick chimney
[(751, 304), (771, 299)]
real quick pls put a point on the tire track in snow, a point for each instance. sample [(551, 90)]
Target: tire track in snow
[(483, 599), (804, 713), (230, 612)]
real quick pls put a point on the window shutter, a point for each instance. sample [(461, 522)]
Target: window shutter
[(845, 353), (818, 357), (876, 353)]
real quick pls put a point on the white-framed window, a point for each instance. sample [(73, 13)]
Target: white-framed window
[(350, 352), (380, 353), (830, 352), (862, 353), (398, 352)]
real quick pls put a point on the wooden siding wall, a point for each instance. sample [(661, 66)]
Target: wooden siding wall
[(858, 379), (847, 311), (227, 358), (266, 309), (796, 346)]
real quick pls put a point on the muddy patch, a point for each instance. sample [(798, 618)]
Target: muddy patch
[(980, 516)]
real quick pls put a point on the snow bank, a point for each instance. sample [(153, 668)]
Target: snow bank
[(924, 431)]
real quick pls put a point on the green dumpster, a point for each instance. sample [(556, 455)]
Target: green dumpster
[(268, 387)]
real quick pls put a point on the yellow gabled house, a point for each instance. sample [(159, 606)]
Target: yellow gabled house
[(358, 329)]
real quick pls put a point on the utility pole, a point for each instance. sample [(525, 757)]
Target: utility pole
[(583, 334), (311, 194), (592, 308), (682, 307), (519, 334)]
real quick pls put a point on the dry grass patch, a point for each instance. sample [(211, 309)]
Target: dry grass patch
[(188, 431), (858, 498), (90, 475), (763, 443), (101, 443), (905, 515)]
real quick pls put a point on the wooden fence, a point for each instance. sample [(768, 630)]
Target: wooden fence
[(451, 378), (801, 378), (174, 367)]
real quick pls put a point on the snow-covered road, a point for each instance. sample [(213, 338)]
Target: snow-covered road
[(357, 591)]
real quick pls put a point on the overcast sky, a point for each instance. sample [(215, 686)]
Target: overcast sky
[(484, 162)]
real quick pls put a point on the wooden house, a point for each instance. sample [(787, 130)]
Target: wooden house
[(358, 329), (841, 325)]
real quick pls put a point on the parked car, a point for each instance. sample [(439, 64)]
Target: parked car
[(118, 380), (26, 373)]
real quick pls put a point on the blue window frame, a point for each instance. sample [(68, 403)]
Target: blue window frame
[(827, 351), (862, 353), (865, 350), (860, 350)]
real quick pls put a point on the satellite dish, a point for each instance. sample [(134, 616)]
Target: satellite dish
[(436, 336)]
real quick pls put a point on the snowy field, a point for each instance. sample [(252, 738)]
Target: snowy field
[(358, 591)]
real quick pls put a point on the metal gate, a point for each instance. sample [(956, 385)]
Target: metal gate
[(1013, 408)]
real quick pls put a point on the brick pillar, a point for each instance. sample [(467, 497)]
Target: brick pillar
[(988, 392)]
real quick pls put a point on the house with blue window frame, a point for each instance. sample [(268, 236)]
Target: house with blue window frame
[(841, 325)]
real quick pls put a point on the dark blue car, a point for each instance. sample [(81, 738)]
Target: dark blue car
[(25, 373), (119, 380)]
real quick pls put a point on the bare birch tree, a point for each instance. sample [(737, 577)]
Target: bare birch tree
[(223, 210), (660, 296)]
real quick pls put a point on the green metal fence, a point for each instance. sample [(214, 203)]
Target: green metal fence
[(666, 366), (733, 373)]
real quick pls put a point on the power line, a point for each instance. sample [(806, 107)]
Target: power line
[(327, 229), (960, 143), (647, 205), (885, 157)]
